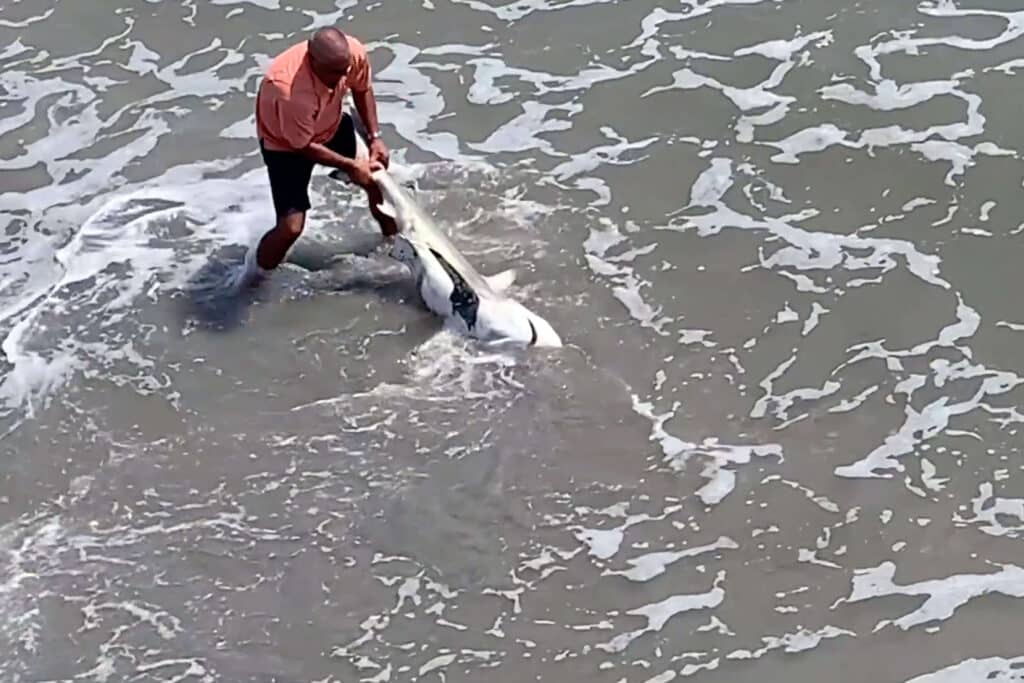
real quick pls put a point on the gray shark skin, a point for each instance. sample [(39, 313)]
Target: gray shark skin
[(475, 305)]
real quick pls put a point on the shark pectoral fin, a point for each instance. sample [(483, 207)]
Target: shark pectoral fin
[(499, 282), (386, 208)]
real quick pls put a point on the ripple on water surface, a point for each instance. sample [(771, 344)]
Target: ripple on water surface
[(779, 444)]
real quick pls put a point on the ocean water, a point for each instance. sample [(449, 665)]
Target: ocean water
[(780, 444)]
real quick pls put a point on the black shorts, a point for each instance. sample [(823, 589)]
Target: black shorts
[(290, 172)]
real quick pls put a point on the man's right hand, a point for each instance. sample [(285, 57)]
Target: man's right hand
[(359, 172)]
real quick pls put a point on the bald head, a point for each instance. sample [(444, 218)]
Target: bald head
[(329, 55)]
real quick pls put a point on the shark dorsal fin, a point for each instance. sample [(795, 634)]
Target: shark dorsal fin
[(499, 282)]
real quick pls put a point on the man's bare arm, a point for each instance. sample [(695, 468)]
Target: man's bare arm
[(325, 156), (357, 170), (366, 105)]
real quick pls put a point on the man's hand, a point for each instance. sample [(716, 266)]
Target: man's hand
[(379, 152), (360, 169)]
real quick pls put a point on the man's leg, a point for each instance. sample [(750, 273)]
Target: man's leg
[(289, 176), (344, 143), (274, 245)]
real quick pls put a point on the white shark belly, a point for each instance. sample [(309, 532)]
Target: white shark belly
[(450, 287), (436, 289)]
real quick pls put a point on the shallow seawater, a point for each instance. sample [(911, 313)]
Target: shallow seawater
[(781, 442)]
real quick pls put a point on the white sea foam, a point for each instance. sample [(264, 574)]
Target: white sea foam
[(828, 335), (659, 613), (944, 596), (996, 669), (650, 565)]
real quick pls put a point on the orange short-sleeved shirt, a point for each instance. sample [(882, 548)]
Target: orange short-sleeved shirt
[(294, 107)]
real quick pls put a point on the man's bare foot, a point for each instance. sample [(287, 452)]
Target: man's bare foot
[(251, 274)]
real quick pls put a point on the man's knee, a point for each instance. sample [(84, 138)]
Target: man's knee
[(291, 224)]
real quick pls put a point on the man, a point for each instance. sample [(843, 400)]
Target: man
[(300, 123)]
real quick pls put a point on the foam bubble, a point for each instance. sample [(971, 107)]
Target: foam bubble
[(944, 596), (975, 669)]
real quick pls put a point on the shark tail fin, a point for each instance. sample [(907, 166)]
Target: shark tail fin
[(542, 333), (499, 282), (386, 208)]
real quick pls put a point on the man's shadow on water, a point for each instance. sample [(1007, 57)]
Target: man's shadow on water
[(218, 297)]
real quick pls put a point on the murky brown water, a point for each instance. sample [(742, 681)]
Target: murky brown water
[(781, 443)]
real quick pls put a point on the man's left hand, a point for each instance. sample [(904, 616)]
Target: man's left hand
[(379, 152)]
